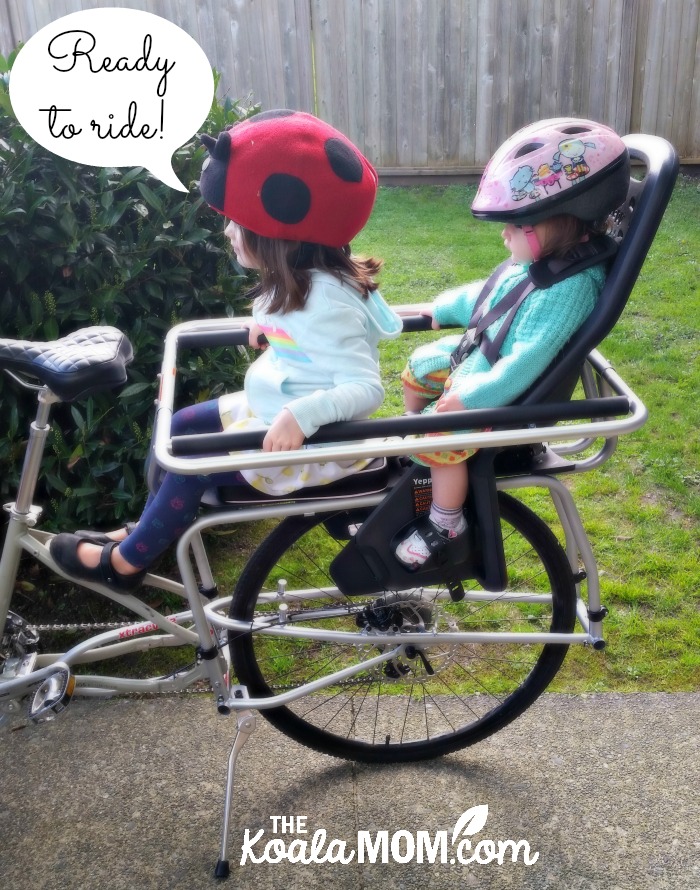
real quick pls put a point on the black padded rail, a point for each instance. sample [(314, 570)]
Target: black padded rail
[(239, 336), (512, 417), (75, 366), (212, 339)]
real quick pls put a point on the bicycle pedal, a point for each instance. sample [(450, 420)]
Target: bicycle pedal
[(53, 696)]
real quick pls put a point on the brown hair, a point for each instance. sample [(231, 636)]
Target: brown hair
[(285, 269), (559, 234)]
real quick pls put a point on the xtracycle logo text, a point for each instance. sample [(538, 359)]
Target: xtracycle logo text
[(437, 847)]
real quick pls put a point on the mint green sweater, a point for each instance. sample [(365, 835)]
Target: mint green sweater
[(543, 325)]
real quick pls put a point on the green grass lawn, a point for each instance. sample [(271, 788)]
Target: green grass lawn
[(642, 509)]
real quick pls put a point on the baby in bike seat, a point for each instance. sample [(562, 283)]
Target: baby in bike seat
[(553, 184), (295, 192)]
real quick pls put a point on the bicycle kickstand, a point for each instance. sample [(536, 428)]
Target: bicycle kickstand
[(246, 726)]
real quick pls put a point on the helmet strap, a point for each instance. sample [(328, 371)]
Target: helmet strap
[(533, 242)]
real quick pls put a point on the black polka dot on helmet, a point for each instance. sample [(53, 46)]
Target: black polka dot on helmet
[(286, 174)]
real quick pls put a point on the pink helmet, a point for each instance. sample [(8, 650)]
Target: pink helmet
[(561, 165)]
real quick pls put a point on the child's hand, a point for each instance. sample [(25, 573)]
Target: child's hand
[(427, 310), (450, 401), (284, 434), (255, 333), (420, 309)]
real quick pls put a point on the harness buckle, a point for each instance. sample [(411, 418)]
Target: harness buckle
[(469, 342)]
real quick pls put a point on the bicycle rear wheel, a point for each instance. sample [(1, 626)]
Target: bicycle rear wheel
[(432, 699)]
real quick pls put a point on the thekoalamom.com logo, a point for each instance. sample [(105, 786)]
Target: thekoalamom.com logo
[(437, 847)]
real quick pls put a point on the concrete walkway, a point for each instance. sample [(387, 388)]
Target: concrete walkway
[(128, 794)]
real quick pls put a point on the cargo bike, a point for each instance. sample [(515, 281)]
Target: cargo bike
[(326, 634)]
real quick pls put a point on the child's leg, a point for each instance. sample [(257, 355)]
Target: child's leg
[(418, 392), (172, 508), (175, 505), (450, 482), (202, 417), (166, 516), (414, 401)]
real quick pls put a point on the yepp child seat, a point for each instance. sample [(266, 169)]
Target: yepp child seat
[(635, 225), (654, 172)]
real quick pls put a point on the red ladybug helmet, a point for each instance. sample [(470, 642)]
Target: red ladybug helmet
[(287, 174)]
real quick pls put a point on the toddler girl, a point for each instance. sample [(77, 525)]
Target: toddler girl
[(512, 335)]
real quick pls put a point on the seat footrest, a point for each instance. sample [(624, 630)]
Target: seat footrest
[(528, 460)]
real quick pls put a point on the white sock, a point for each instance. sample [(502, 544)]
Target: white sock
[(413, 550), (448, 520)]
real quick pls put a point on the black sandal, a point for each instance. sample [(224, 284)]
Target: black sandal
[(101, 537), (64, 550)]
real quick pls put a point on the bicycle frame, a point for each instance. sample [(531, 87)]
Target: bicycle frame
[(208, 624), (577, 544)]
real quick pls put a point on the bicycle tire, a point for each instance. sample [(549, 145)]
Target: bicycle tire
[(411, 715)]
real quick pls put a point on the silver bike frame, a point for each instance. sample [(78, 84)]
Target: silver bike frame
[(578, 548), (209, 627), (203, 626)]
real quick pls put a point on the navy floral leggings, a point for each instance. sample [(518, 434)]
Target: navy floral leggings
[(174, 507)]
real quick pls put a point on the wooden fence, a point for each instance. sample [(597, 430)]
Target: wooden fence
[(433, 86)]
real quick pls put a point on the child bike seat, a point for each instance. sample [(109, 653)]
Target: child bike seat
[(85, 362), (635, 225)]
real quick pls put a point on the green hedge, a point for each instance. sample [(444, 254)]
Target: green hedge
[(86, 245)]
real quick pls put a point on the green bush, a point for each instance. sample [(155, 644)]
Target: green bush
[(86, 245)]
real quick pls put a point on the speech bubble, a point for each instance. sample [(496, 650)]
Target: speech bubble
[(113, 88)]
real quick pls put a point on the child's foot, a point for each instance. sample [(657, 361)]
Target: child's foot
[(415, 550), (82, 561), (118, 535)]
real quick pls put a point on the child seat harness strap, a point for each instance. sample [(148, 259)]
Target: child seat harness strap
[(475, 334), (542, 274)]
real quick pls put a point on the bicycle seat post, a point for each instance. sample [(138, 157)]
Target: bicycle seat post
[(38, 432), (22, 512)]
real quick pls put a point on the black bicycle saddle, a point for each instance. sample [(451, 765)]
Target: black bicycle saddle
[(75, 366)]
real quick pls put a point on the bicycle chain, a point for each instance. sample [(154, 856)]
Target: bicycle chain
[(105, 625), (114, 625), (195, 689)]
